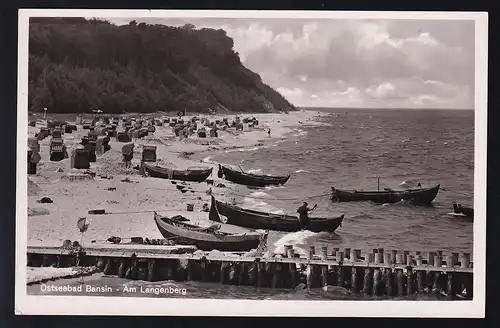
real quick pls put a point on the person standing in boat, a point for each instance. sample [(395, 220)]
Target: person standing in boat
[(220, 173), (304, 214)]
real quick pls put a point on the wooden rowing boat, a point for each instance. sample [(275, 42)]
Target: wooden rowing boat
[(422, 196), (268, 221), (254, 180), (194, 175), (467, 211), (206, 239)]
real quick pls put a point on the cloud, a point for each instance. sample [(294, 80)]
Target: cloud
[(251, 39), (386, 70), (362, 63), (381, 91), (295, 93)]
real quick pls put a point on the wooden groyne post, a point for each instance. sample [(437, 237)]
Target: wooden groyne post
[(375, 272)]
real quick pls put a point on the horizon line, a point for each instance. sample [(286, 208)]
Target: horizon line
[(384, 108)]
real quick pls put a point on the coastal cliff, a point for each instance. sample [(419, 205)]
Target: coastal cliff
[(78, 65)]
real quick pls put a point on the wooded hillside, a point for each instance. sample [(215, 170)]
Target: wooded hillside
[(78, 65)]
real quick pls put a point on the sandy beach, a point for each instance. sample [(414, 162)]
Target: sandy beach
[(52, 223)]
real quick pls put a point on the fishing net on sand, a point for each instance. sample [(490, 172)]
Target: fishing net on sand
[(36, 211), (111, 163)]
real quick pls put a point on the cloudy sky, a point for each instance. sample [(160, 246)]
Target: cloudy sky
[(354, 63)]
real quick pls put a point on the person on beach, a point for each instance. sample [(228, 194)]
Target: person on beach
[(304, 214), (128, 154)]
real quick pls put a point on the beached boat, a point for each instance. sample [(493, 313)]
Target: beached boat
[(466, 211), (206, 239), (421, 196), (254, 180), (268, 221), (195, 175)]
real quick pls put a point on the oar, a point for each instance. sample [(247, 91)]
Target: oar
[(241, 168), (103, 212)]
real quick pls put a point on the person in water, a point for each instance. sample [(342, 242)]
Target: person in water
[(269, 132), (304, 214)]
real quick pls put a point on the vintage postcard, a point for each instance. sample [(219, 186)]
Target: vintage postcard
[(251, 163)]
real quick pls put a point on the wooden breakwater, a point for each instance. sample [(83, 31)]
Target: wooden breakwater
[(376, 272)]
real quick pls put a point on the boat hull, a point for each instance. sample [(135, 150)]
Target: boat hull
[(186, 175), (268, 221), (204, 240), (423, 196), (467, 211), (253, 180)]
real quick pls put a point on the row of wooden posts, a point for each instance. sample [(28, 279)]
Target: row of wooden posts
[(395, 273), (379, 255), (373, 273)]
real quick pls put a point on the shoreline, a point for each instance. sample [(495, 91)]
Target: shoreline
[(54, 222), (287, 133)]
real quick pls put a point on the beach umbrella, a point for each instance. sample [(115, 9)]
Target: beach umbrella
[(82, 225)]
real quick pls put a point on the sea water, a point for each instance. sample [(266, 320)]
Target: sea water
[(364, 150)]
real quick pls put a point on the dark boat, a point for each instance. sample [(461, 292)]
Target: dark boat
[(268, 221), (255, 180), (206, 239), (421, 196), (459, 209), (156, 171)]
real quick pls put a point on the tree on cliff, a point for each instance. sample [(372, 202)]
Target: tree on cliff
[(77, 65)]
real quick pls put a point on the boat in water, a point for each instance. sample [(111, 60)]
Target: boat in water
[(235, 215), (421, 196), (193, 175), (465, 211), (254, 180), (209, 238)]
